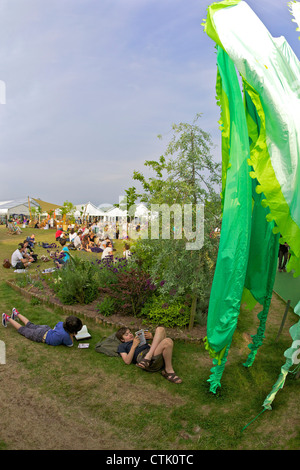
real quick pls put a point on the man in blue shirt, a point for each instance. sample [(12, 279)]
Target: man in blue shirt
[(151, 358), (62, 333), (58, 335)]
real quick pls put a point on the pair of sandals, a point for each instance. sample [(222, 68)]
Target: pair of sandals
[(170, 376)]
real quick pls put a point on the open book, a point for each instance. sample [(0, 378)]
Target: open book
[(83, 333), (141, 335)]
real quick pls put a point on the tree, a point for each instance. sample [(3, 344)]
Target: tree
[(67, 209), (129, 200), (186, 173)]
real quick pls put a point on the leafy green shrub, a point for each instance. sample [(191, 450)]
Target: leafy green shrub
[(77, 282), (35, 301), (182, 272), (22, 281), (80, 279), (107, 307), (107, 273), (169, 314)]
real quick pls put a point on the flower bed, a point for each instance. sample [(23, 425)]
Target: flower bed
[(47, 296)]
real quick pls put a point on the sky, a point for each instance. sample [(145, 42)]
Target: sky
[(90, 84)]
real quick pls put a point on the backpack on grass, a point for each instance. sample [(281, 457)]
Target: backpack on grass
[(108, 345), (6, 263)]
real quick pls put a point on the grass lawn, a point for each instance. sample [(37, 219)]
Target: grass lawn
[(62, 398)]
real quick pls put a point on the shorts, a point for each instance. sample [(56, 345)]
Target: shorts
[(19, 265), (156, 364), (34, 332)]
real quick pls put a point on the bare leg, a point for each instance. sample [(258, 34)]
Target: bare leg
[(17, 325), (166, 349), (159, 336), (164, 346)]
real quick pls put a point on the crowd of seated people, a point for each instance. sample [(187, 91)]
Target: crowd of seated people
[(75, 238), (86, 239)]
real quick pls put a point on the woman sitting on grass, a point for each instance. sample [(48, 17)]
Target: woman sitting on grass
[(108, 251), (64, 255), (62, 333), (85, 243)]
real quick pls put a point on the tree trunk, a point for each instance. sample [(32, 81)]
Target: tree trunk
[(193, 311)]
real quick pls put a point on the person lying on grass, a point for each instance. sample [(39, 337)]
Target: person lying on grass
[(151, 358), (62, 333)]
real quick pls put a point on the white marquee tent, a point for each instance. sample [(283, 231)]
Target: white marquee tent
[(88, 209), (114, 213), (17, 207), (142, 211), (139, 211)]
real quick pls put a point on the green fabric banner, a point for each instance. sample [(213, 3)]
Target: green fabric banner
[(292, 355), (229, 277), (260, 170)]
